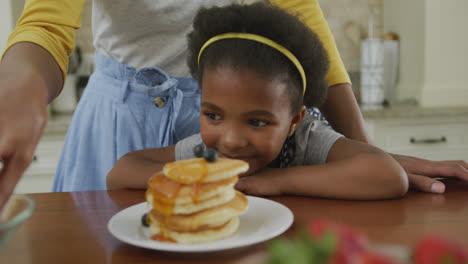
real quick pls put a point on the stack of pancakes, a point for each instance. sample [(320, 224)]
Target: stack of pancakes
[(194, 200)]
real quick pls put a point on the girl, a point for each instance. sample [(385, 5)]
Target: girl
[(258, 68)]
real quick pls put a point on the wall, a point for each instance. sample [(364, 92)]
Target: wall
[(446, 65), (407, 19), (16, 8), (6, 23), (348, 21), (10, 11), (434, 60), (84, 37)]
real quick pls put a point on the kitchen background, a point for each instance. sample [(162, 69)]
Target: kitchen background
[(425, 76), (348, 20)]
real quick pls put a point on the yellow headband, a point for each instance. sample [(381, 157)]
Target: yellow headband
[(263, 40)]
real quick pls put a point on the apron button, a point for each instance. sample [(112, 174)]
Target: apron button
[(159, 102)]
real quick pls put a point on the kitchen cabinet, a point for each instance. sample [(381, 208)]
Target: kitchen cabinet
[(40, 174), (437, 134)]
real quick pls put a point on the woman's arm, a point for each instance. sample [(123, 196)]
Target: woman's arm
[(32, 72), (354, 170), (135, 168), (50, 24), (342, 112)]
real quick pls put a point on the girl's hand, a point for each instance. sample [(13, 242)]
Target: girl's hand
[(421, 172), (266, 182)]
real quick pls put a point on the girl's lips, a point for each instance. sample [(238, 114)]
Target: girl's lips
[(233, 157)]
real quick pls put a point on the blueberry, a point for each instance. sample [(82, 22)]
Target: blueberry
[(210, 155), (144, 220), (198, 150)]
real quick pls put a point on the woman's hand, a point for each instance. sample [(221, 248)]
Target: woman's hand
[(22, 120), (29, 78), (421, 172), (266, 182)]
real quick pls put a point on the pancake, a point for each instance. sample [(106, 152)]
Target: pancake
[(206, 235), (198, 170), (194, 200), (210, 217), (189, 207), (172, 192)]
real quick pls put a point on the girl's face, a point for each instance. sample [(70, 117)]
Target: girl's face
[(245, 115)]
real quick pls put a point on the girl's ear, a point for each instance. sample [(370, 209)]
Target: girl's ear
[(296, 120)]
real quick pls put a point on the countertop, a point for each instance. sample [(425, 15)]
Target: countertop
[(72, 227), (411, 110)]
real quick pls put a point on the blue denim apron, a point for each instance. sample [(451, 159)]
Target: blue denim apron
[(123, 109)]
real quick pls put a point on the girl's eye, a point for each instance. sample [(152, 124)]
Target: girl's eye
[(212, 116), (258, 123)]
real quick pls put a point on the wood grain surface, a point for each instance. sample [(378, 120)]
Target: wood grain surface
[(72, 227)]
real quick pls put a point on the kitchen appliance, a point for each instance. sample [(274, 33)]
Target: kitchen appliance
[(379, 68), (372, 69)]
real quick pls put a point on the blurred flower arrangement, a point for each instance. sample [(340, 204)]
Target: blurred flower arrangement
[(326, 242)]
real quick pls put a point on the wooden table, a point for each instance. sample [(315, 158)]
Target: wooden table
[(72, 227)]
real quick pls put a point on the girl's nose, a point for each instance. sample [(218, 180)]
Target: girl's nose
[(233, 139)]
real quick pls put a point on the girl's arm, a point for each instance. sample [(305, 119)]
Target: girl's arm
[(135, 168), (354, 170)]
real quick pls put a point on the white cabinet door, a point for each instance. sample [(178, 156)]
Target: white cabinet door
[(40, 174), (431, 138)]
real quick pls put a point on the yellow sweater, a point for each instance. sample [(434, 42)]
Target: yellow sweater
[(310, 14), (52, 23)]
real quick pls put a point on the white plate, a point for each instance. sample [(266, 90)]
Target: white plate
[(263, 220)]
